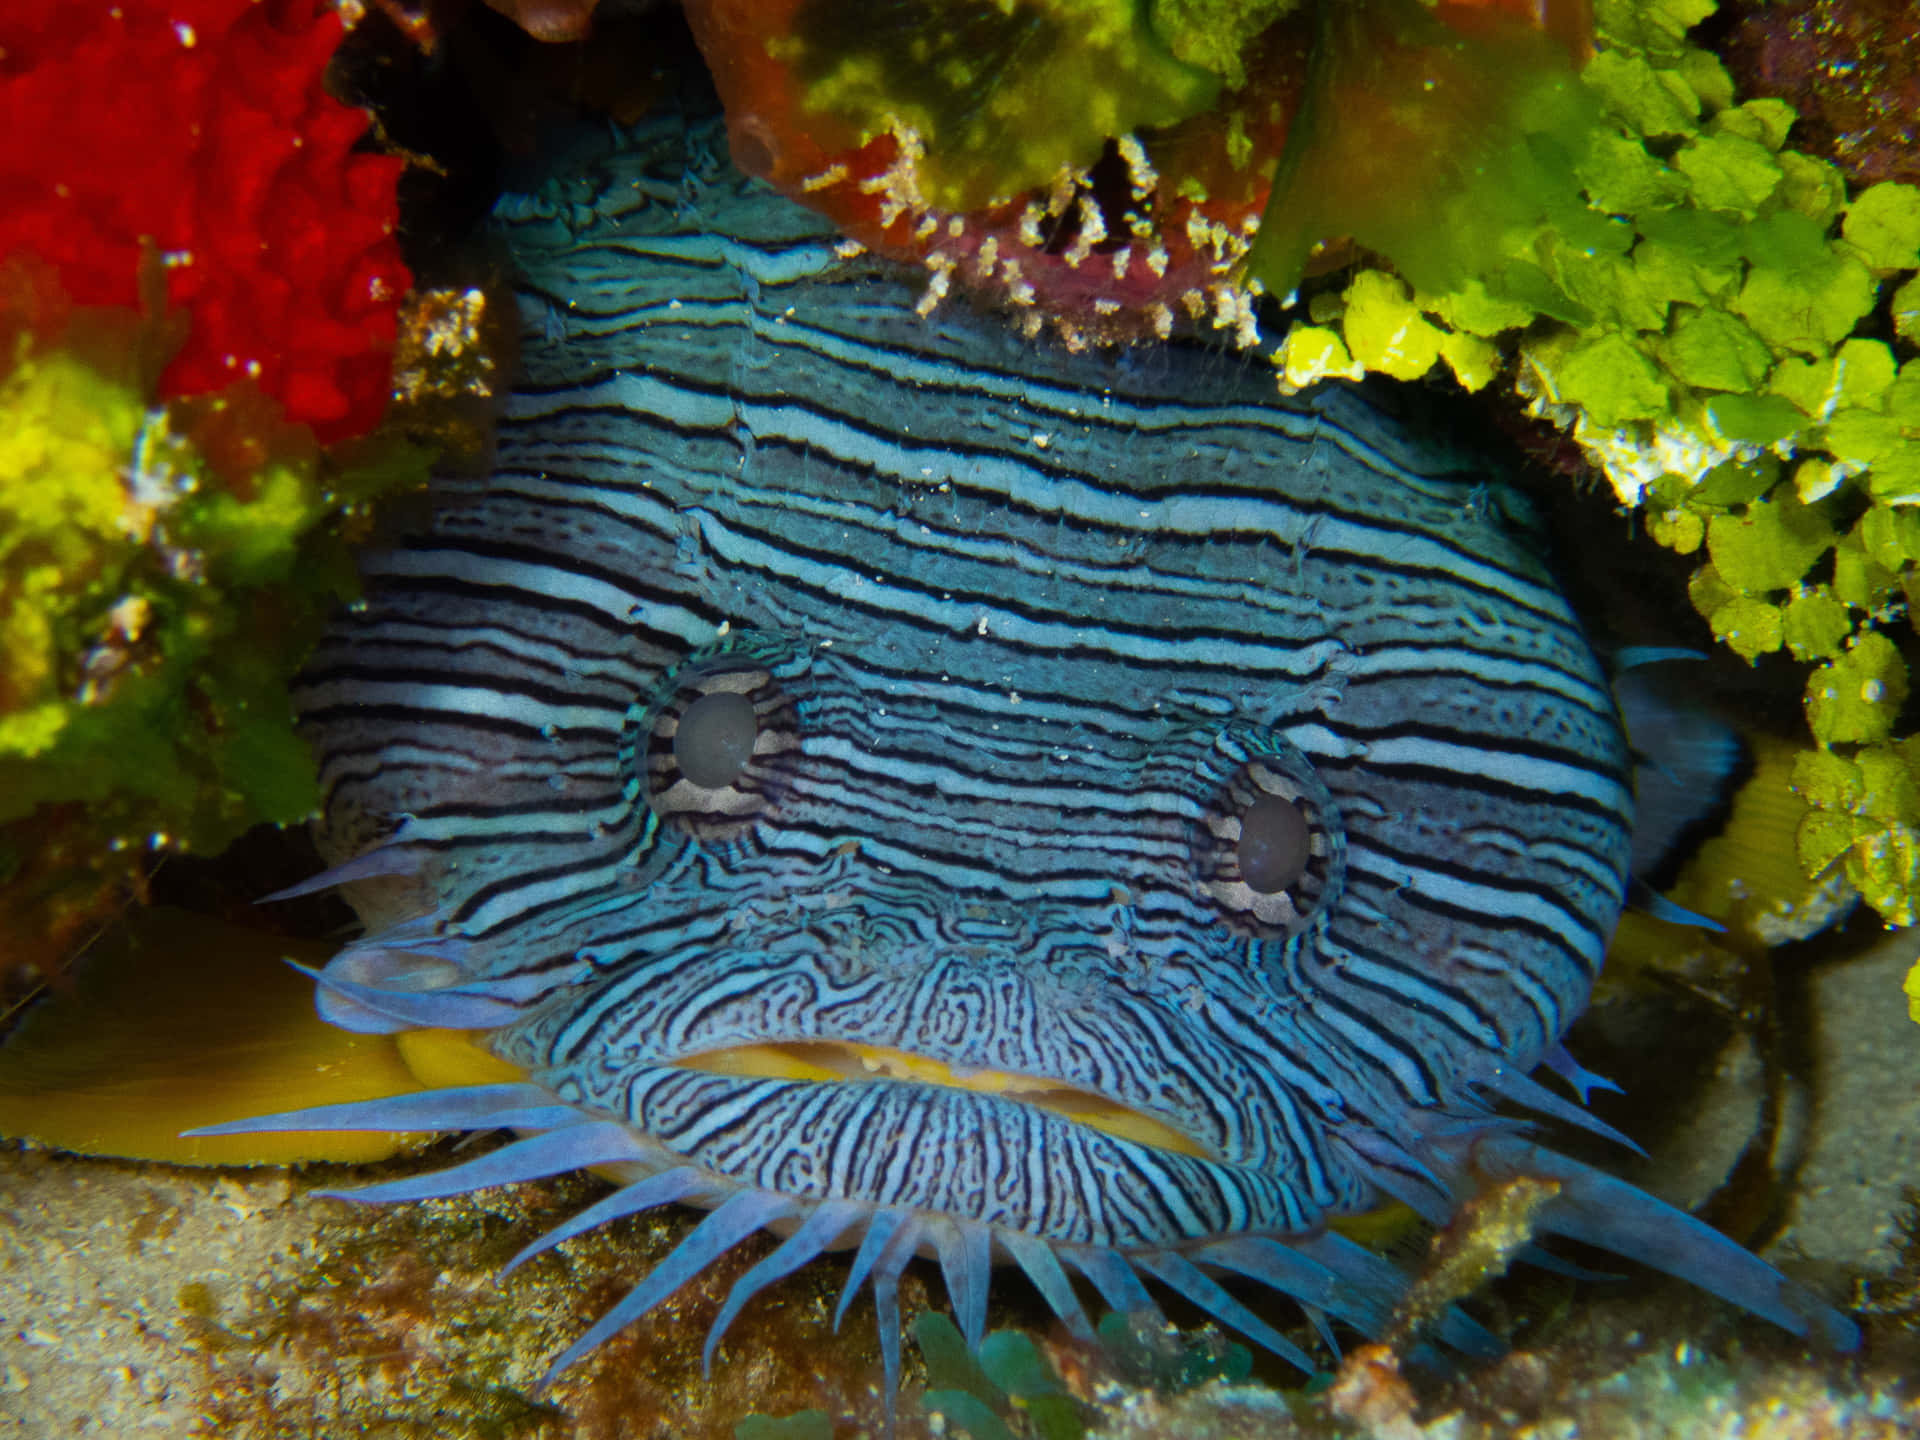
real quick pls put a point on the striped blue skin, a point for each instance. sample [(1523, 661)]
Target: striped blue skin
[(1016, 641)]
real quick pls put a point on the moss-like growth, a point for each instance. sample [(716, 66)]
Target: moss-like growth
[(1429, 137), (803, 1425)]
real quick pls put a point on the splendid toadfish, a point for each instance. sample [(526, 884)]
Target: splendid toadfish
[(905, 788)]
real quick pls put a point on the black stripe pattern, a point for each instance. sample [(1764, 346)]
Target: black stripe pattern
[(811, 674)]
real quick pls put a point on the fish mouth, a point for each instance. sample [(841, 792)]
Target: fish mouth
[(371, 987), (461, 1057), (848, 1062)]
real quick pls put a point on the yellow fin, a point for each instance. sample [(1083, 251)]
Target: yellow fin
[(1379, 1229), (442, 1059), (178, 1020)]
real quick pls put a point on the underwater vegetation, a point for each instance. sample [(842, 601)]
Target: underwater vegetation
[(163, 568), (1582, 208), (1105, 169), (199, 290), (223, 522)]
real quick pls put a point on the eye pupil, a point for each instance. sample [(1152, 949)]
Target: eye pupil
[(1272, 852), (715, 739)]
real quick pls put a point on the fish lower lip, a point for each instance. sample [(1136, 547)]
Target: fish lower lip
[(845, 1062)]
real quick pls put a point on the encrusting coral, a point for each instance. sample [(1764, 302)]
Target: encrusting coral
[(1012, 169)]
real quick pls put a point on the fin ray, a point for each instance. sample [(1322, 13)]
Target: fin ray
[(736, 1218), (966, 1260), (661, 1189), (1600, 1210), (827, 1223), (475, 1107), (1185, 1278), (1034, 1256), (552, 1152)]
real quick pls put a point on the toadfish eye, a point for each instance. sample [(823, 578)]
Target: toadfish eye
[(715, 738), (1274, 844), (714, 745), (1268, 848)]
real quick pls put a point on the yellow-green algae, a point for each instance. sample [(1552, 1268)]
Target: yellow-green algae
[(1707, 324), (164, 568), (1431, 141)]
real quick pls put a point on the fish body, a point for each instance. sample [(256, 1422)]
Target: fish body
[(887, 781)]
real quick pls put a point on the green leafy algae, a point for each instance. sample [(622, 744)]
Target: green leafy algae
[(1730, 336), (1008, 1389), (1610, 379), (1388, 332), (1431, 142), (1883, 226), (1854, 697)]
